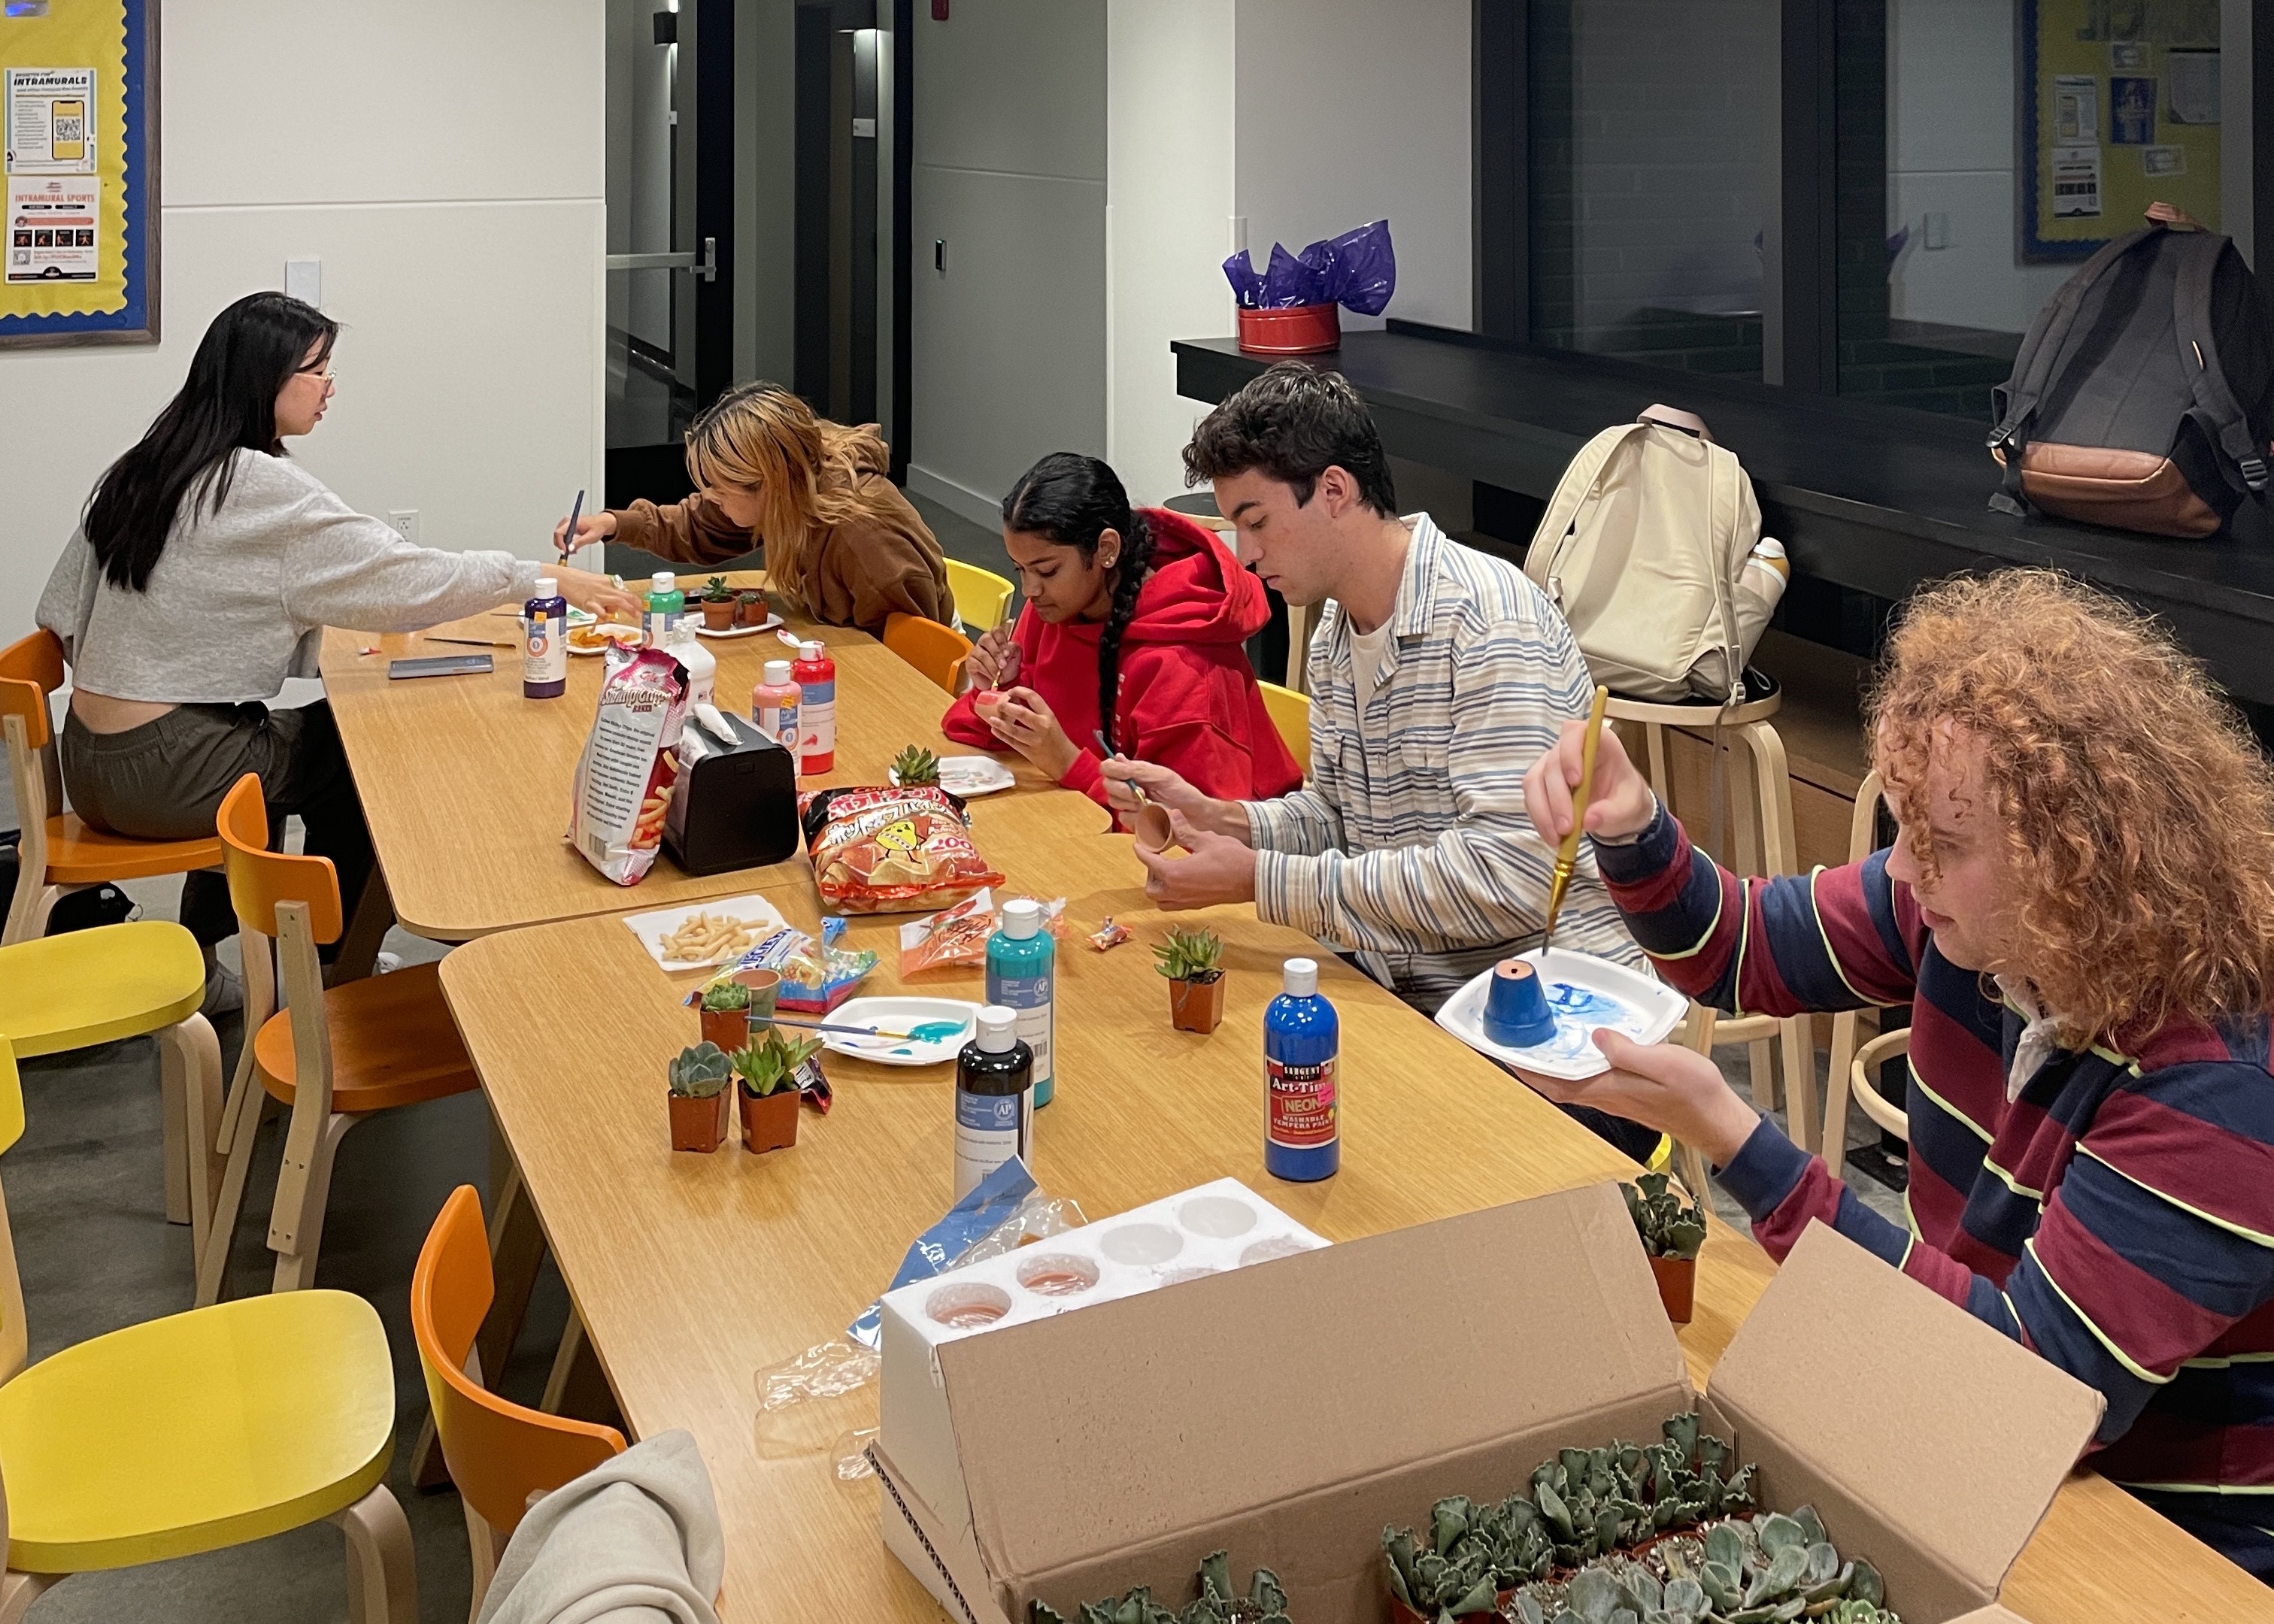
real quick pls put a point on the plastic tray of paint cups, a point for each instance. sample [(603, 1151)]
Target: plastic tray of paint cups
[(1541, 1012)]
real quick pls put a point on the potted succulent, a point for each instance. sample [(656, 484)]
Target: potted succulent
[(1192, 961), (699, 1076), (726, 1015), (768, 1073), (750, 607), (1672, 1229), (1265, 1603), (915, 766), (717, 601)]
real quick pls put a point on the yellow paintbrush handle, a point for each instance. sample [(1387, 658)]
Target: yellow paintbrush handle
[(1567, 852)]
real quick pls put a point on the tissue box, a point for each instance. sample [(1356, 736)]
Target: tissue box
[(1290, 1411)]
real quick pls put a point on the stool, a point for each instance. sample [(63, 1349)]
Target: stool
[(1851, 1069), (1760, 842)]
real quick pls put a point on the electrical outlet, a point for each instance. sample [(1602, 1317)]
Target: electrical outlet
[(304, 280), (404, 522), (1938, 228)]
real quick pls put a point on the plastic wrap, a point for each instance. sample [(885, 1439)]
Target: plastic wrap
[(958, 936), (812, 978), (1357, 270)]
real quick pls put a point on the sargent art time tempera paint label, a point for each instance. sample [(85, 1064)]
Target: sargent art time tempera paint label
[(1301, 1114)]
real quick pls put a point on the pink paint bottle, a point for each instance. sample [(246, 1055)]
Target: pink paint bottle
[(774, 705)]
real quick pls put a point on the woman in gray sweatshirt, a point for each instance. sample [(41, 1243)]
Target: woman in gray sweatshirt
[(205, 569)]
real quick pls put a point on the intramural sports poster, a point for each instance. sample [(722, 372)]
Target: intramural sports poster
[(79, 126), (2119, 108)]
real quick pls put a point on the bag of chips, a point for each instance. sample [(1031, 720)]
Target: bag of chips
[(630, 764), (958, 936), (813, 978), (880, 850)]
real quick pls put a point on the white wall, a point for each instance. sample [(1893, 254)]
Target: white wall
[(444, 161)]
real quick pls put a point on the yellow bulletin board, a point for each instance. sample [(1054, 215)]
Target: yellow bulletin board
[(2120, 108), (78, 242)]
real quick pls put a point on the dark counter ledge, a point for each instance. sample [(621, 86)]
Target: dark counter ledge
[(1875, 498)]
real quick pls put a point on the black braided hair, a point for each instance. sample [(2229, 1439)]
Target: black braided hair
[(1073, 500)]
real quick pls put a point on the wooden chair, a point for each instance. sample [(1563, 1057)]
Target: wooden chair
[(937, 651), (333, 1057), (1291, 714), (982, 596), (90, 987), (1760, 842), (58, 851), (502, 1455), (1853, 1069), (200, 1431)]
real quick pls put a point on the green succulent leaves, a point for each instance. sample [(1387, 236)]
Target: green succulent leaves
[(1265, 1603), (700, 1072), (1671, 1226), (1192, 953)]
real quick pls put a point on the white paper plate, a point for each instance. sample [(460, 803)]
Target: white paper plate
[(763, 916), (767, 625), (1587, 993), (968, 776), (896, 1014)]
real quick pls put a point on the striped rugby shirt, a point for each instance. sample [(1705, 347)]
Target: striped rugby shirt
[(2117, 1216), (1419, 858)]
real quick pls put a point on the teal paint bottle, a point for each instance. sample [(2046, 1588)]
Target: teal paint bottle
[(1023, 975)]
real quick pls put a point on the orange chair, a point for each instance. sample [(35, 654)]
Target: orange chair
[(501, 1454), (60, 853), (333, 1057), (937, 651)]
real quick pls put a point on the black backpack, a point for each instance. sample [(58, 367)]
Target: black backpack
[(2144, 393)]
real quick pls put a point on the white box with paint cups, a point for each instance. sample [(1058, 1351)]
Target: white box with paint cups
[(1207, 1230)]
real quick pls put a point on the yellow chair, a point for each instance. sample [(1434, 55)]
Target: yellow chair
[(937, 651), (1291, 714), (90, 987), (202, 1430), (982, 596)]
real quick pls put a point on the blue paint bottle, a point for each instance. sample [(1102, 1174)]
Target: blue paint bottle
[(1302, 1107), (1023, 975)]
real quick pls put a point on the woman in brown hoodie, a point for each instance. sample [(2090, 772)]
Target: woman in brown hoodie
[(842, 543)]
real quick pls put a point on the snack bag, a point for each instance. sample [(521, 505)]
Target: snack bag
[(630, 762), (958, 936), (879, 850), (812, 978)]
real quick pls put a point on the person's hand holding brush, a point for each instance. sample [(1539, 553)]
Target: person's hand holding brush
[(1621, 806)]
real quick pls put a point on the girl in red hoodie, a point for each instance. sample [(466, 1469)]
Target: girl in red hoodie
[(1131, 630)]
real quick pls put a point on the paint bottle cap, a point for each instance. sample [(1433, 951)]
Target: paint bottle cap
[(1022, 917), (1300, 978), (998, 1029), (663, 580), (809, 649), (547, 587), (777, 674)]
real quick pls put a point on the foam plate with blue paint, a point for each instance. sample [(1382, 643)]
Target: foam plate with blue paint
[(1586, 994), (898, 1014)]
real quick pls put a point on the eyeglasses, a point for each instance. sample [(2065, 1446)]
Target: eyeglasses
[(329, 375)]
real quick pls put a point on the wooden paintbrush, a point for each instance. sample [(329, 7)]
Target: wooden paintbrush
[(1567, 855)]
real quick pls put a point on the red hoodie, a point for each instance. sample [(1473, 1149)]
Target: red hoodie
[(1188, 697)]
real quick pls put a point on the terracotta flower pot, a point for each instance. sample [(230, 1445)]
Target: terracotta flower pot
[(1677, 1284), (750, 608), (718, 614), (769, 1123), (766, 989), (1152, 830), (1196, 1006), (698, 1124), (729, 1029)]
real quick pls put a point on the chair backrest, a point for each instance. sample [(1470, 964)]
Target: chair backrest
[(1291, 714), (500, 1453), (937, 651), (38, 658), (982, 596), (13, 1340), (258, 879), (29, 701)]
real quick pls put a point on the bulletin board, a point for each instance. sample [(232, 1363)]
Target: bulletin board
[(79, 111), (2119, 106)]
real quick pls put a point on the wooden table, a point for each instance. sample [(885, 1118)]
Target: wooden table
[(692, 1273), (466, 784)]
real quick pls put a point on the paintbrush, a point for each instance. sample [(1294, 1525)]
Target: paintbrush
[(1135, 788), (471, 643), (1567, 855)]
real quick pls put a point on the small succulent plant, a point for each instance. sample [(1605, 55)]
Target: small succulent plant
[(726, 996), (717, 591), (1190, 954), (915, 766), (1671, 1226), (771, 1064), (1265, 1603), (700, 1072)]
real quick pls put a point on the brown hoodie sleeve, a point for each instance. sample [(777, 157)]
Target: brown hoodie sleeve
[(694, 531)]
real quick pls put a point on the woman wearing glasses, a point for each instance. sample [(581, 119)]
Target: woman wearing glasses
[(204, 570)]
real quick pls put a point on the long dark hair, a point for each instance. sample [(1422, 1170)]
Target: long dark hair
[(1073, 500), (228, 403)]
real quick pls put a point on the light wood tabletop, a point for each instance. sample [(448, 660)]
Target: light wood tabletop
[(692, 1273), (465, 784)]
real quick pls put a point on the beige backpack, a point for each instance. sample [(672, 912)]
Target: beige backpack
[(1645, 548)]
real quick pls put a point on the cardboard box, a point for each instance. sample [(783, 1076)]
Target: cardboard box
[(1289, 1411)]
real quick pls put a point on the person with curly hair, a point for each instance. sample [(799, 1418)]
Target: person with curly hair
[(2079, 909)]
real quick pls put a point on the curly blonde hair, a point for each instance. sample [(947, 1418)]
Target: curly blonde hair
[(806, 470), (2136, 808)]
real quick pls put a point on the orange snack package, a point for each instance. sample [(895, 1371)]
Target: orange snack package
[(630, 764), (880, 850)]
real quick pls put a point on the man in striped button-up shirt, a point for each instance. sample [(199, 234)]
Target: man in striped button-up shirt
[(1437, 675)]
